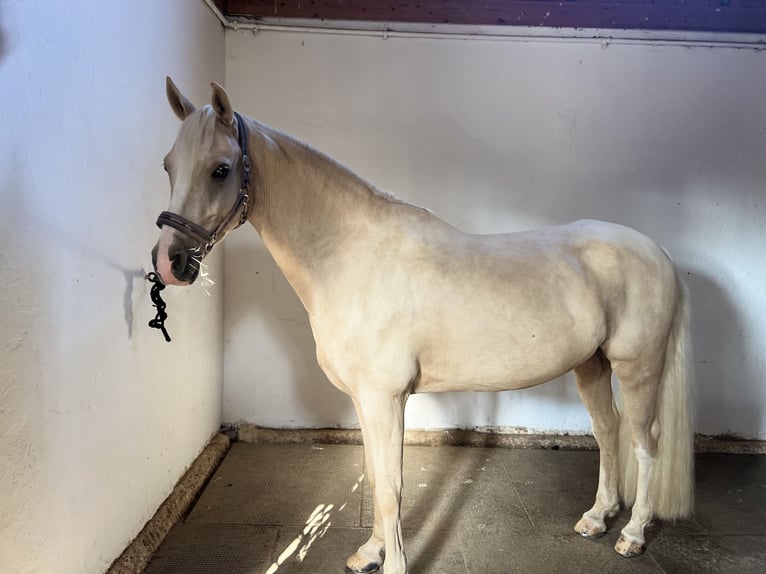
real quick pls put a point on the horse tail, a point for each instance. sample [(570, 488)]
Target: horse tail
[(671, 490)]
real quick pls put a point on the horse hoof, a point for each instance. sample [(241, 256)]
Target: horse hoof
[(628, 549), (589, 529), (360, 564)]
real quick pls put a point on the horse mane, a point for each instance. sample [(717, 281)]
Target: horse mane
[(285, 141)]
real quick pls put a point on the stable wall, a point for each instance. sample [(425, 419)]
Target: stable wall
[(99, 416), (509, 134)]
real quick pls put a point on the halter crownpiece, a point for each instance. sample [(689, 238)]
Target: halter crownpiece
[(241, 207)]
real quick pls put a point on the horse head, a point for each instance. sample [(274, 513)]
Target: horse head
[(209, 171)]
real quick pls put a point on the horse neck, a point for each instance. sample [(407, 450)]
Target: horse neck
[(310, 208)]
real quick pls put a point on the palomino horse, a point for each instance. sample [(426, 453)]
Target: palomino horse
[(400, 302)]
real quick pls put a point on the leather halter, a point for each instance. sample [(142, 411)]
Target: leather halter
[(207, 238)]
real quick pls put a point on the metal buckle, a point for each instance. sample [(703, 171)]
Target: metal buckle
[(245, 204)]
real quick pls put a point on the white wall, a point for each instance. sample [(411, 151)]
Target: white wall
[(98, 415), (508, 135)]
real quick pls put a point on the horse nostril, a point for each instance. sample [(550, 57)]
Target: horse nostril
[(181, 263), (177, 263)]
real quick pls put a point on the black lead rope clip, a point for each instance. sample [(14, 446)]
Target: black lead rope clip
[(159, 321)]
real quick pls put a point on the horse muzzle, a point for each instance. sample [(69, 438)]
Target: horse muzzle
[(176, 265)]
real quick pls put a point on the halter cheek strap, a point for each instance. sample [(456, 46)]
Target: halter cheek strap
[(241, 207)]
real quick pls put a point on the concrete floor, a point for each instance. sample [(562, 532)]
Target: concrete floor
[(465, 510)]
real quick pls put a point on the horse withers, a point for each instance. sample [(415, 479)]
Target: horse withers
[(400, 302)]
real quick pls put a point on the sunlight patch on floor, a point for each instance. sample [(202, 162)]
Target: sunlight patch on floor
[(316, 527)]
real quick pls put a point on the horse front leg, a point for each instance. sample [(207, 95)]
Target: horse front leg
[(382, 419), (369, 557)]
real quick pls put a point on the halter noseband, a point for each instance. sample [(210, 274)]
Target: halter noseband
[(197, 232)]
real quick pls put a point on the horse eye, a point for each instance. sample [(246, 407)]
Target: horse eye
[(221, 172), (164, 166)]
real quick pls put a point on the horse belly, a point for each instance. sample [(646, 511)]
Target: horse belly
[(496, 352), (492, 373)]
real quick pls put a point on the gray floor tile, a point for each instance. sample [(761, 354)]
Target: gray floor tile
[(661, 528), (214, 549), (731, 493), (554, 486), (428, 552), (282, 485), (323, 552), (558, 470), (555, 511), (434, 552), (711, 554), (492, 552), (448, 487)]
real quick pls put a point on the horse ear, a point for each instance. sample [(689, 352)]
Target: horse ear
[(221, 105), (180, 104)]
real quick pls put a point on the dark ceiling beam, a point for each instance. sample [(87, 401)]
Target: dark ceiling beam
[(692, 15)]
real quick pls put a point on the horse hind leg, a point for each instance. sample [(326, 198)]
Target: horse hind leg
[(594, 384), (639, 385)]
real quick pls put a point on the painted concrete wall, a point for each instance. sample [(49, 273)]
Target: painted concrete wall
[(509, 135), (98, 415)]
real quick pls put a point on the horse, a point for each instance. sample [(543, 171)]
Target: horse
[(401, 302)]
